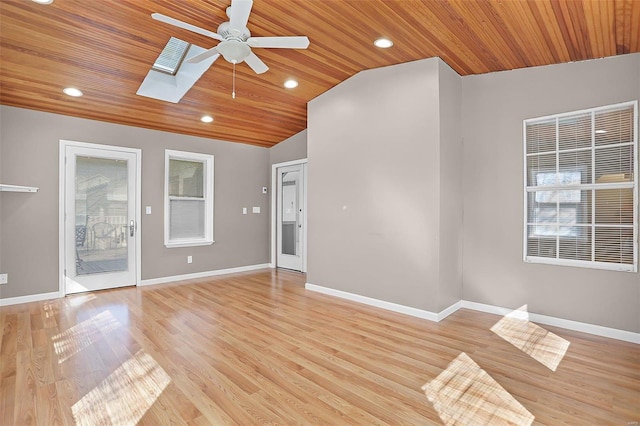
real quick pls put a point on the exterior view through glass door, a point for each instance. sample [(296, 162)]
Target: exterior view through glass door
[(100, 218), (290, 216)]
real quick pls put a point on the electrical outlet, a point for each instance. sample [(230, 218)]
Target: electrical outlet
[(264, 189), (189, 259), (4, 278)]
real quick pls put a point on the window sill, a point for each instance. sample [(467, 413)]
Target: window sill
[(621, 267), (192, 243)]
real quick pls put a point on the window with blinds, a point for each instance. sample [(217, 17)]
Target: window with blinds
[(581, 188), (188, 199)]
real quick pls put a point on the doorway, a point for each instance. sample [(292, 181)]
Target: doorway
[(100, 212), (289, 223)]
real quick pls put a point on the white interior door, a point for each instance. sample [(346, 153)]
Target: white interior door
[(290, 216), (101, 210)]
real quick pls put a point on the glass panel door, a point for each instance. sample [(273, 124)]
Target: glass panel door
[(290, 215), (101, 212), (100, 217), (290, 224)]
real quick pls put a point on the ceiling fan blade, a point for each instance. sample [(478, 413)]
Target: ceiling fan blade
[(293, 42), (172, 21), (256, 63), (202, 56), (239, 13)]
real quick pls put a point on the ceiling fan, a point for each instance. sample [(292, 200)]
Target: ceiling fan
[(235, 39)]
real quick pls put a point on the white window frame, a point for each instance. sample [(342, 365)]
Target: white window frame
[(527, 189), (207, 160)]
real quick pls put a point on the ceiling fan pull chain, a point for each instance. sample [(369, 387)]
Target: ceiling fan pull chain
[(233, 90)]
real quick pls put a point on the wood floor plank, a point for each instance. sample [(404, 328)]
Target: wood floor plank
[(257, 348), (9, 348), (26, 390), (7, 399)]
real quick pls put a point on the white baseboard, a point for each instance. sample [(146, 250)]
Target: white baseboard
[(448, 311), (407, 310), (583, 327), (31, 298), (204, 274), (597, 330)]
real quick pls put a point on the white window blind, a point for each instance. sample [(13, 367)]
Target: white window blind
[(188, 199), (581, 188)]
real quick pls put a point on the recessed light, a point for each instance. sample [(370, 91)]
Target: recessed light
[(43, 1), (72, 91), (290, 84), (601, 132), (383, 43), (206, 119)]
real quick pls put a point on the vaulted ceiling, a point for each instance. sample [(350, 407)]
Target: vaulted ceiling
[(106, 47)]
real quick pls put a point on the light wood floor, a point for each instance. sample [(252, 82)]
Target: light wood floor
[(257, 348)]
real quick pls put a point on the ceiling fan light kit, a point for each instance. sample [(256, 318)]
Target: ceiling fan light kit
[(233, 51), (235, 43)]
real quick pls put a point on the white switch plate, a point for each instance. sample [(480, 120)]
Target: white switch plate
[(189, 259), (4, 278), (256, 210), (244, 210), (148, 210)]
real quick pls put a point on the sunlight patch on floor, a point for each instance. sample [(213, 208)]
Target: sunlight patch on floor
[(465, 394), (77, 300), (542, 345), (80, 336), (125, 396)]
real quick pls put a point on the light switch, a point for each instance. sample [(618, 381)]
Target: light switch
[(244, 210), (147, 210), (256, 210)]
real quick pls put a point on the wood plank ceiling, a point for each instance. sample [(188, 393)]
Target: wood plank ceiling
[(105, 48)]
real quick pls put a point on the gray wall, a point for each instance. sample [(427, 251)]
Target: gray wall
[(450, 98), (293, 148), (374, 206), (29, 226), (1, 196), (494, 106)]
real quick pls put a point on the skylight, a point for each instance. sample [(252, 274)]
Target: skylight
[(171, 57)]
